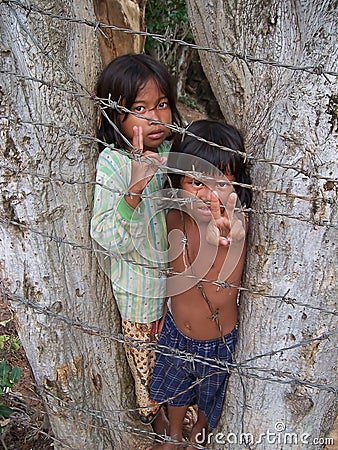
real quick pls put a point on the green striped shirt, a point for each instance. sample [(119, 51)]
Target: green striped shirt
[(136, 238)]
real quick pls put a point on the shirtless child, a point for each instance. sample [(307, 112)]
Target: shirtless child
[(207, 243)]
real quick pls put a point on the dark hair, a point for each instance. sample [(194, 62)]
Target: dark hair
[(218, 159), (121, 80)]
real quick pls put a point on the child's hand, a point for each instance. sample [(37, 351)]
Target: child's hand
[(145, 166), (227, 227)]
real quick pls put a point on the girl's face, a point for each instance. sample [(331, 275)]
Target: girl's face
[(151, 103), (197, 189)]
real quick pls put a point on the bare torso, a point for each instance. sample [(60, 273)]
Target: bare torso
[(202, 261)]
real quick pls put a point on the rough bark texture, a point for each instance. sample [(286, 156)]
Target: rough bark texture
[(47, 171), (285, 117), (123, 14)]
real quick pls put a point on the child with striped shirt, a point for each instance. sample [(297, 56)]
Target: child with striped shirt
[(126, 221)]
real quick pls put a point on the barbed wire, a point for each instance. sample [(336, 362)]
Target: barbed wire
[(171, 200), (44, 50), (180, 354), (165, 271), (100, 26), (184, 131), (246, 367), (32, 8), (247, 156), (107, 416)]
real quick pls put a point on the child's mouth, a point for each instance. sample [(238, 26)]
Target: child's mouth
[(157, 134), (204, 210)]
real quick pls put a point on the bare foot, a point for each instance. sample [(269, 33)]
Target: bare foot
[(198, 432), (166, 446)]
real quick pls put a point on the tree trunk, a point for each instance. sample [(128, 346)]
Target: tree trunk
[(288, 116), (122, 14), (65, 312)]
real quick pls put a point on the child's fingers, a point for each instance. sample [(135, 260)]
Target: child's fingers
[(224, 241), (215, 206), (237, 231), (230, 206), (138, 137)]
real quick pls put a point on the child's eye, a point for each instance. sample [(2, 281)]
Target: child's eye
[(197, 183), (222, 184), (163, 105), (139, 109)]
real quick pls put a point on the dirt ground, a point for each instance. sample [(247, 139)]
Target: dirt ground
[(26, 429)]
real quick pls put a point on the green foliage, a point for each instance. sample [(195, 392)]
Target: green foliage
[(9, 342), (8, 375), (189, 101), (168, 18), (4, 412)]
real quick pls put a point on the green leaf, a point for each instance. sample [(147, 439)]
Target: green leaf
[(4, 371), (3, 338), (15, 343), (15, 374), (5, 411)]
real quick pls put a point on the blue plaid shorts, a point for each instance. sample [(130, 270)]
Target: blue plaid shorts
[(180, 380)]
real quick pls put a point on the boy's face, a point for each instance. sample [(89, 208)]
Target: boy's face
[(151, 103), (197, 189)]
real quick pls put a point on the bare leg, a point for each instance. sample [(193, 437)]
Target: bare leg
[(161, 423), (176, 415), (199, 430)]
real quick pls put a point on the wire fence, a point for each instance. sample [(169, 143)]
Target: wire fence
[(246, 368)]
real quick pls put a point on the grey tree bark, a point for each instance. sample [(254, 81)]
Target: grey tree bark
[(65, 312), (282, 394)]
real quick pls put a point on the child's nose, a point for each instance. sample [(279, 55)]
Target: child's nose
[(204, 193), (153, 114)]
